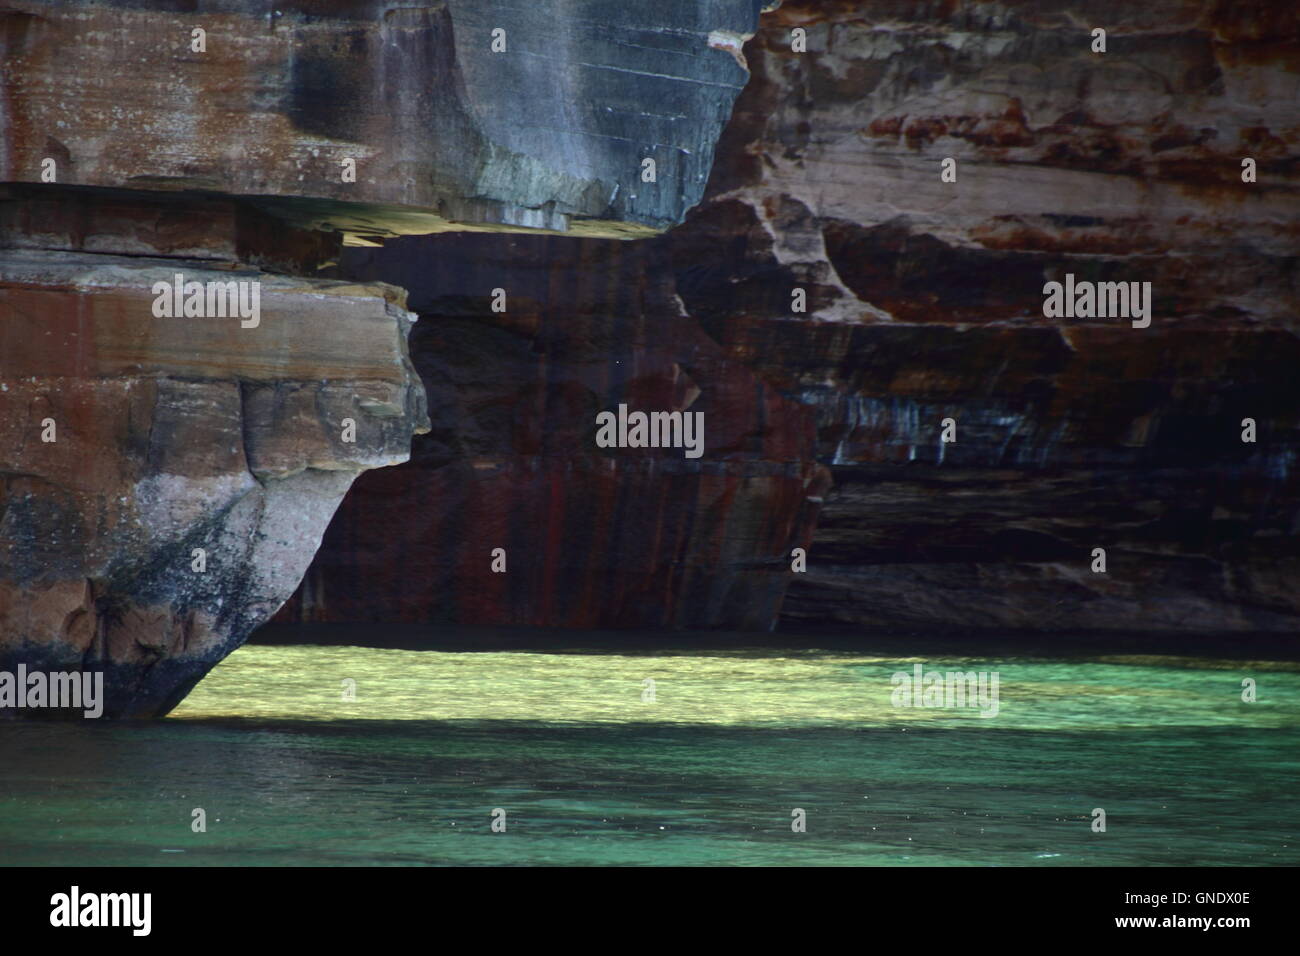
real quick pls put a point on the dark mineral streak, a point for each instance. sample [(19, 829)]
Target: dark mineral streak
[(924, 302), (196, 461)]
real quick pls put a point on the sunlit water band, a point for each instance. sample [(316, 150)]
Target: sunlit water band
[(743, 687)]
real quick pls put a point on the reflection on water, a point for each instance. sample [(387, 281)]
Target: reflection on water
[(589, 770)]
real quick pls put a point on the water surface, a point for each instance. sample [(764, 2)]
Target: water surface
[(590, 771)]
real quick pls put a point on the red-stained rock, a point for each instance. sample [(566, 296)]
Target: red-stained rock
[(925, 302), (594, 537), (142, 138)]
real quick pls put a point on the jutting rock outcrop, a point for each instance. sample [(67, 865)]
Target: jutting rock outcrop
[(167, 480), (187, 386)]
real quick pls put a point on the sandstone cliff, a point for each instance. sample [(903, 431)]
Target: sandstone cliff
[(166, 481), (924, 302), (593, 537), (166, 473), (452, 114), (829, 300)]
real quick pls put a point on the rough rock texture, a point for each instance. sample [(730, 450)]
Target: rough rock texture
[(173, 435), (549, 132), (594, 537), (144, 138), (170, 435), (224, 230), (925, 302)]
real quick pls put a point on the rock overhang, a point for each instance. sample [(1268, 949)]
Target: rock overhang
[(452, 115)]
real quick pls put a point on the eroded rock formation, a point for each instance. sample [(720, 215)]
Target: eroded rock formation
[(166, 481), (593, 537), (924, 302), (166, 474), (454, 113)]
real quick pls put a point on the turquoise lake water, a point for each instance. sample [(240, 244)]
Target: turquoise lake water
[(590, 768)]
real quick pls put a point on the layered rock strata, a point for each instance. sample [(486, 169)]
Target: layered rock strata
[(923, 301), (167, 471), (433, 116), (167, 480)]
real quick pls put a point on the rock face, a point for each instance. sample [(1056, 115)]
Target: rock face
[(166, 480), (832, 304), (924, 302), (166, 473), (454, 112), (592, 537)]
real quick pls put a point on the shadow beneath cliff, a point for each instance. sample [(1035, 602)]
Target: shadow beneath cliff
[(1270, 646)]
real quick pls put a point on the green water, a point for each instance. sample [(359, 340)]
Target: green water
[(708, 772)]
